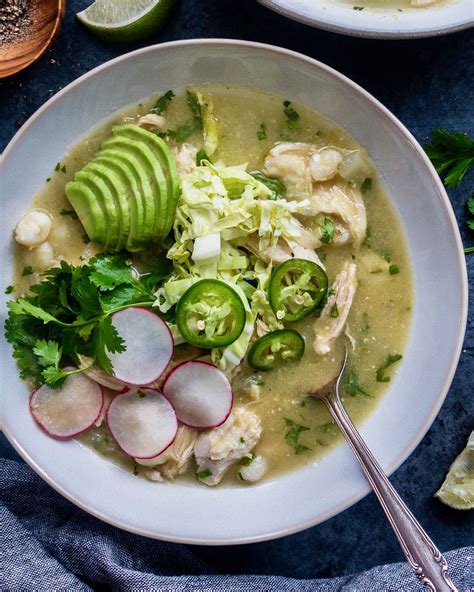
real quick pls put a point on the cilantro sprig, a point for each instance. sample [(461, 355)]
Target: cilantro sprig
[(163, 102), (292, 436), (69, 313), (452, 154), (389, 361)]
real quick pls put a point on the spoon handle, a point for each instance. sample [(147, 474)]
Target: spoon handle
[(426, 561)]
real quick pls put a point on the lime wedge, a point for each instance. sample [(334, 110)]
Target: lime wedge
[(125, 20), (457, 490)]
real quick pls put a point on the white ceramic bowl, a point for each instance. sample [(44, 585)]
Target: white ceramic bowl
[(378, 22), (188, 512)]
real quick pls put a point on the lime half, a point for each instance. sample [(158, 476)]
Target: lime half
[(125, 20), (457, 490)]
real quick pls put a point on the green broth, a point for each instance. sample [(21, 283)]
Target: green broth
[(380, 316)]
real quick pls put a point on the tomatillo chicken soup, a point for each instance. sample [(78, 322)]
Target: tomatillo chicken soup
[(195, 267)]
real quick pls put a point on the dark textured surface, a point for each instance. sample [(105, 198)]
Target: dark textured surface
[(427, 84)]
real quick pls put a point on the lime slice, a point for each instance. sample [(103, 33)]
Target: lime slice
[(125, 20), (457, 490)]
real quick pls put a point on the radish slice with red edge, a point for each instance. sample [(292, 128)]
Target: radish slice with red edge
[(200, 393), (69, 410), (148, 342), (143, 422)]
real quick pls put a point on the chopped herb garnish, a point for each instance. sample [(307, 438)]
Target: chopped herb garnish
[(193, 103), (334, 312), (27, 271), (163, 103), (380, 373), (48, 179), (240, 476), (247, 460), (291, 116), (393, 269), (63, 169), (353, 386), (365, 323), (9, 289), (68, 314), (71, 213), (326, 427), (293, 434), (135, 469), (358, 7), (141, 394), (200, 156), (242, 440), (276, 187), (262, 132), (452, 154), (203, 474), (327, 230), (366, 185), (57, 168)]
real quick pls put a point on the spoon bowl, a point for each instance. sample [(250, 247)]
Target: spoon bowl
[(43, 26)]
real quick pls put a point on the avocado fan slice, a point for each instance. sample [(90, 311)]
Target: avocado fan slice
[(117, 185), (132, 194), (162, 152), (142, 161), (89, 210), (104, 196)]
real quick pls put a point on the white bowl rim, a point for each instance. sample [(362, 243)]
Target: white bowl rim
[(463, 309), (375, 33)]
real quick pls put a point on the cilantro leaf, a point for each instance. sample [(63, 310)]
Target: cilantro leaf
[(106, 339), (48, 352), (380, 372), (293, 434), (292, 116), (22, 306), (327, 230), (262, 132), (275, 185), (163, 103), (452, 154), (366, 185), (109, 271), (353, 386)]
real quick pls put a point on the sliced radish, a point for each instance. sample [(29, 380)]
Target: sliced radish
[(143, 422), (67, 411), (200, 393), (149, 346)]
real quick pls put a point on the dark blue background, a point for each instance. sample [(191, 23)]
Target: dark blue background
[(427, 84)]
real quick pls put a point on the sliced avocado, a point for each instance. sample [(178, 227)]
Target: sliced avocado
[(103, 195), (162, 152), (115, 183), (89, 210), (131, 193), (144, 164)]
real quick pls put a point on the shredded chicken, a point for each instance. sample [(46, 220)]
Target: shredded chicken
[(152, 121), (218, 449), (185, 158), (289, 161), (347, 204), (332, 321), (282, 252), (321, 175), (174, 460)]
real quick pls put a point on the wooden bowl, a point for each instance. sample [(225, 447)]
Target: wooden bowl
[(46, 17)]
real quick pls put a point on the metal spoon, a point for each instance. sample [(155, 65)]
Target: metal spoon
[(426, 561)]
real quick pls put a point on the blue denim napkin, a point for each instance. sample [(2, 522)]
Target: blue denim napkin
[(48, 544)]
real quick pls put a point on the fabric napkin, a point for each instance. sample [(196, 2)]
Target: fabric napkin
[(47, 544)]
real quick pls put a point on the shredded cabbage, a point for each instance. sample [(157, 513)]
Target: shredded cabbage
[(233, 203)]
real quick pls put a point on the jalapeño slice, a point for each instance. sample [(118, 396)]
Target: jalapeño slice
[(210, 314), (296, 288), (285, 345)]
